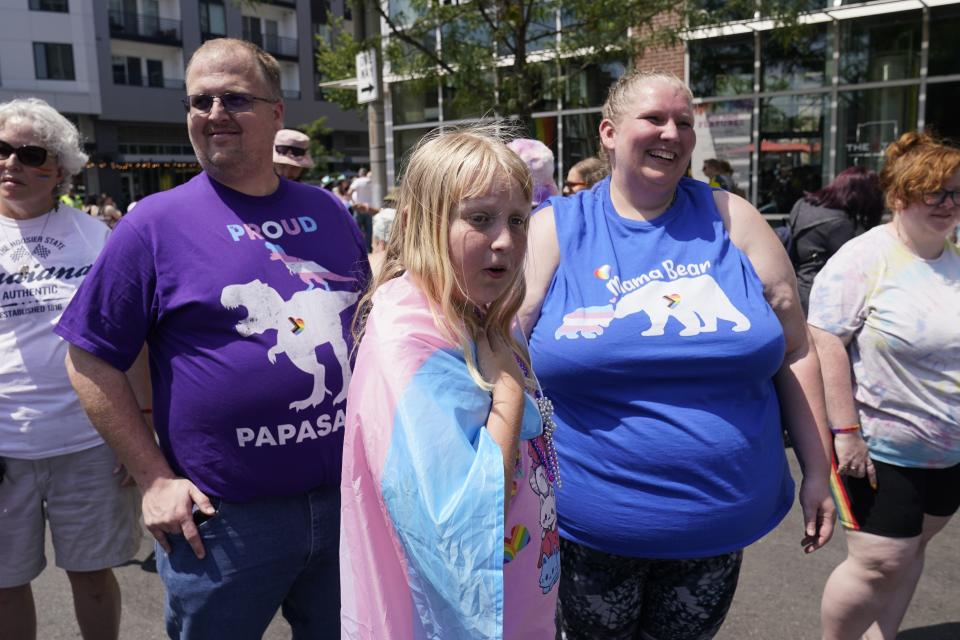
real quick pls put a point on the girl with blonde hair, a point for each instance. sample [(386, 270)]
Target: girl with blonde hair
[(448, 520)]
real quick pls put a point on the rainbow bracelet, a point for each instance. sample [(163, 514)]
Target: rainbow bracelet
[(850, 429)]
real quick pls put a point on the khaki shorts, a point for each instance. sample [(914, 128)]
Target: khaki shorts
[(95, 523)]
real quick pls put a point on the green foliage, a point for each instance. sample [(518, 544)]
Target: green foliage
[(318, 132), (336, 60), (503, 56)]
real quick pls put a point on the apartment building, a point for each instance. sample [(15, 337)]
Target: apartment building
[(117, 68), (788, 118)]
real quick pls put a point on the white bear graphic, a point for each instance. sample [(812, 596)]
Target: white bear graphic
[(697, 303)]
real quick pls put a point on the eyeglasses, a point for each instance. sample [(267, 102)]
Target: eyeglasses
[(937, 198), (287, 150), (573, 185), (29, 155), (231, 102)]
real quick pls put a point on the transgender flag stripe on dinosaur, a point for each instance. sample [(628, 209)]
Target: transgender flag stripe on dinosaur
[(422, 547)]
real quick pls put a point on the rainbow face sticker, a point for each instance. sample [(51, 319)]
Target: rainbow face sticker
[(519, 538), (672, 300), (602, 272), (298, 325)]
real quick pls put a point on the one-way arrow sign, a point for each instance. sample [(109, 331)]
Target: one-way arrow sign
[(368, 89)]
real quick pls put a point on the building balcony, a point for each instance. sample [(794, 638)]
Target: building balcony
[(153, 83), (278, 46), (145, 28)]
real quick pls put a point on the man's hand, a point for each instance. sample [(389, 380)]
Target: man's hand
[(819, 513), (168, 508)]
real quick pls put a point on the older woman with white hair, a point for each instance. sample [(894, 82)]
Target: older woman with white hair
[(54, 467)]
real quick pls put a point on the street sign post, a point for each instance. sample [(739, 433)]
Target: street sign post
[(368, 88)]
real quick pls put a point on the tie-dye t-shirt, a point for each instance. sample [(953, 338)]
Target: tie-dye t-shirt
[(903, 313)]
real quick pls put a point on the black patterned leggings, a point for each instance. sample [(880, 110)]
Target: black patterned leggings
[(603, 596)]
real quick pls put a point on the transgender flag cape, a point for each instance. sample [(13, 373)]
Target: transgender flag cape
[(422, 543)]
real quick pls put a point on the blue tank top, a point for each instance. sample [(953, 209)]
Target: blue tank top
[(658, 350)]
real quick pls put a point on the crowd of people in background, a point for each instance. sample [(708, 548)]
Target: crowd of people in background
[(443, 415)]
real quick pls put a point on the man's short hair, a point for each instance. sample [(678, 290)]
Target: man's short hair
[(268, 65)]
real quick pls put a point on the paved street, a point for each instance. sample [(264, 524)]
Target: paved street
[(778, 596)]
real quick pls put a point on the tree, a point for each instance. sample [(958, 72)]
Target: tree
[(509, 57)]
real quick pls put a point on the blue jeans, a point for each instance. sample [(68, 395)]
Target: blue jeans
[(261, 556)]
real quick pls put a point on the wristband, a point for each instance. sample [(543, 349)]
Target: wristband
[(850, 429)]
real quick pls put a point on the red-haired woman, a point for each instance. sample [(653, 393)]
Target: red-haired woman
[(823, 221), (889, 304)]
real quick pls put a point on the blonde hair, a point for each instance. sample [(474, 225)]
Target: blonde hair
[(441, 171), (57, 134), (917, 163), (619, 98), (266, 63)]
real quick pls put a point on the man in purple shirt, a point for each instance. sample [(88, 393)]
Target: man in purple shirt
[(243, 286)]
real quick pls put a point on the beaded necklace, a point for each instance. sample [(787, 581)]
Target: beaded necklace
[(548, 452)]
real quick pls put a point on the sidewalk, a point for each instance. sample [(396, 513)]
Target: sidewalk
[(778, 597)]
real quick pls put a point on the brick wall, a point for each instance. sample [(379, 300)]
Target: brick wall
[(669, 58)]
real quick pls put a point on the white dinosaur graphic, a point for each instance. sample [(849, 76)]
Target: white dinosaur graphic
[(696, 303), (303, 323)]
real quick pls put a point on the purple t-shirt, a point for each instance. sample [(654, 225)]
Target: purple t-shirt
[(245, 303)]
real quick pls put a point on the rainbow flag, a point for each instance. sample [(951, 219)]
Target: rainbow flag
[(839, 493), (422, 546)]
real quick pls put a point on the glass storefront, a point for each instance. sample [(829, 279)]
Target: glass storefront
[(870, 120), (403, 141), (774, 122), (721, 67), (795, 64), (724, 132), (880, 48), (792, 140), (581, 138), (413, 103), (944, 49), (942, 99)]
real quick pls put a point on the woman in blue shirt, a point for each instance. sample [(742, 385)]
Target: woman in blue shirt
[(666, 329)]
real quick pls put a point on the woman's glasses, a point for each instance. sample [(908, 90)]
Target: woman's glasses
[(29, 155), (231, 102), (287, 150), (937, 198)]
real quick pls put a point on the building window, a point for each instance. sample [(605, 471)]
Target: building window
[(587, 86), (580, 139), (403, 141), (880, 48), (127, 70), (154, 73), (723, 132), (944, 49), (940, 117), (721, 67), (870, 120), (413, 103), (797, 64), (53, 61), (792, 137), (213, 21), (60, 6)]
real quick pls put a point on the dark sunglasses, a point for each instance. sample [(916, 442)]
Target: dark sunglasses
[(934, 199), (29, 155), (287, 150), (231, 102)]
